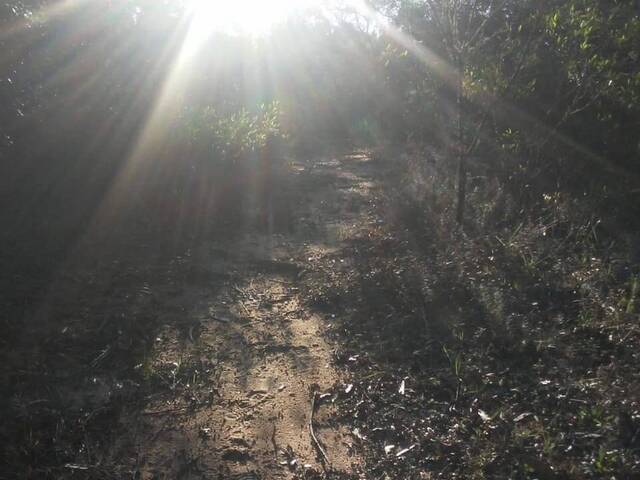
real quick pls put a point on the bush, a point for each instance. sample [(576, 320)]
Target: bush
[(227, 139)]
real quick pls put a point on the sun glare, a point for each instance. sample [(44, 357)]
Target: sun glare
[(243, 16)]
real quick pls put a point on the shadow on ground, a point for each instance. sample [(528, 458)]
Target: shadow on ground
[(184, 358)]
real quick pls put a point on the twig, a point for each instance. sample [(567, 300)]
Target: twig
[(246, 310), (273, 442), (240, 291), (101, 357), (220, 319), (631, 330), (316, 443), (74, 466), (166, 411)]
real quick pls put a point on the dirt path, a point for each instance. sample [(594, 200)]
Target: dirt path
[(247, 357)]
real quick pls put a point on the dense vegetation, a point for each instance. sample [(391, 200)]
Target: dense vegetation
[(509, 134)]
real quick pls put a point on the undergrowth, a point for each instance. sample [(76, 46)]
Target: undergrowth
[(516, 336)]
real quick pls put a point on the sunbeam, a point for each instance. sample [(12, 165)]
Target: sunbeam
[(254, 17)]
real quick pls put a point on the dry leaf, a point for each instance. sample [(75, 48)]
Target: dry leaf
[(401, 389), (484, 416)]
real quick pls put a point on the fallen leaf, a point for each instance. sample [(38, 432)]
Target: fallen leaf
[(522, 416)]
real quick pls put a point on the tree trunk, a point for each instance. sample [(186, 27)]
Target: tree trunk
[(462, 160)]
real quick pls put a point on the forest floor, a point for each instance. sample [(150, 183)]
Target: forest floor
[(255, 352), (202, 363), (349, 343)]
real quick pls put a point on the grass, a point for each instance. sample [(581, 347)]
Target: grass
[(529, 320)]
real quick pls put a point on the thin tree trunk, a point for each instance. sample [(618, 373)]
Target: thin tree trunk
[(462, 160)]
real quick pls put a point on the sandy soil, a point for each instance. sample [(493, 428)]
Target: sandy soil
[(265, 353)]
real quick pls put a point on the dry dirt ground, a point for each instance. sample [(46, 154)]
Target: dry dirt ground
[(267, 349), (236, 376)]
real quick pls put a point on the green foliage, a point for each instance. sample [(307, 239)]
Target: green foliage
[(606, 462), (600, 44), (233, 136)]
